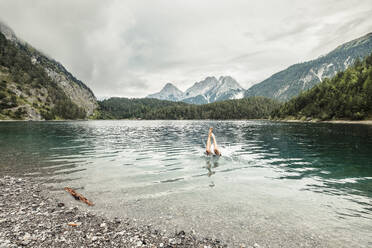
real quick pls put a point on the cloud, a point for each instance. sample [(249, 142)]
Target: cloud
[(132, 48)]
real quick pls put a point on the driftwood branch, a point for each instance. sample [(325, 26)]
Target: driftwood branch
[(78, 196)]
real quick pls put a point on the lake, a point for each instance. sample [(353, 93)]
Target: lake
[(276, 184)]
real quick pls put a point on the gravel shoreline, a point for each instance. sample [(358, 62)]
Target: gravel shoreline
[(30, 216)]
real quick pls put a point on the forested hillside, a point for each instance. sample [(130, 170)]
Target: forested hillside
[(124, 108), (27, 92), (348, 95)]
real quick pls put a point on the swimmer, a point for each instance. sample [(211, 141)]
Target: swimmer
[(208, 148)]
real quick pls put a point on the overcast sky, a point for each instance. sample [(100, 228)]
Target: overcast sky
[(132, 48)]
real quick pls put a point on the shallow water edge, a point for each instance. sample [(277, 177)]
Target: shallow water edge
[(32, 216)]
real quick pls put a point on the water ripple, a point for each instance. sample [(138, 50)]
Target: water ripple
[(322, 158)]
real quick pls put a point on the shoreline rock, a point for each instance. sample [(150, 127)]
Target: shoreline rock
[(30, 216)]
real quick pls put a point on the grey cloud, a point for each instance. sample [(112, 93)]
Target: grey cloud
[(288, 31), (246, 56), (331, 36), (131, 48)]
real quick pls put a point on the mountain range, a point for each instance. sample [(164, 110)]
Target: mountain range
[(206, 91), (281, 86), (34, 86), (300, 77)]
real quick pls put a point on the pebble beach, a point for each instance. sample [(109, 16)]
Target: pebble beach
[(30, 216)]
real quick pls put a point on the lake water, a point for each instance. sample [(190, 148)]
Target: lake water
[(276, 184)]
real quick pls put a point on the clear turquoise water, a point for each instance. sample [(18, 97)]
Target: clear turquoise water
[(296, 181)]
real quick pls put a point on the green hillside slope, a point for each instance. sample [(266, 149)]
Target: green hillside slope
[(300, 77), (348, 95), (36, 87), (27, 92)]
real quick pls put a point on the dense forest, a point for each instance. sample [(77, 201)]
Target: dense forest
[(24, 84), (248, 108), (125, 108), (348, 95)]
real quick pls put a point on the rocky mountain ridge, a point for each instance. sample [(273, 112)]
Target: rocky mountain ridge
[(300, 77), (32, 84), (169, 92), (206, 91)]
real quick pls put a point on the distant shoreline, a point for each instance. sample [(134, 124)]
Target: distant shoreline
[(363, 122)]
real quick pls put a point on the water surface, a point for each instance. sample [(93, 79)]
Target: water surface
[(277, 184)]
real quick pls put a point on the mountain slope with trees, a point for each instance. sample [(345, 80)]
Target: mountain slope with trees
[(35, 87), (27, 92), (348, 95), (300, 77)]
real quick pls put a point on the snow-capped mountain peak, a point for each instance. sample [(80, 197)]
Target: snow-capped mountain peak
[(230, 81), (227, 88), (169, 92), (227, 83), (208, 90), (202, 87)]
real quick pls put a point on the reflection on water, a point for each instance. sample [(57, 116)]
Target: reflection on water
[(150, 159), (211, 164)]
